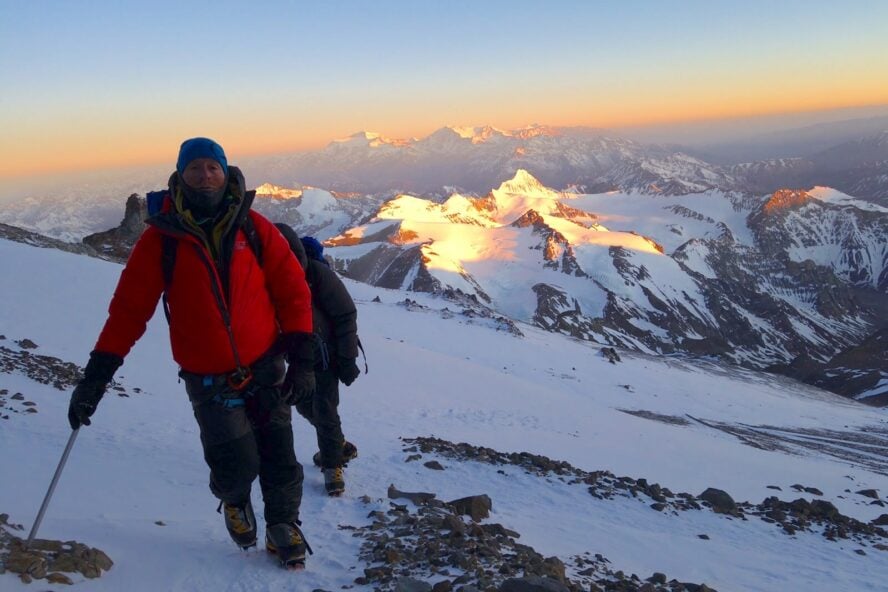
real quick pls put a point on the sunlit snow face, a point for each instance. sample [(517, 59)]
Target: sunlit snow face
[(204, 174)]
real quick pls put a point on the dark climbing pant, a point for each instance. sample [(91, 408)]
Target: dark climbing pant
[(322, 411), (248, 433)]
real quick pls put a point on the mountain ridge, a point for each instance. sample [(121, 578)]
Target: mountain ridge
[(756, 280)]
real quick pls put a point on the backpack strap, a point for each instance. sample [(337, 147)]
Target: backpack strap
[(169, 246), (253, 238)]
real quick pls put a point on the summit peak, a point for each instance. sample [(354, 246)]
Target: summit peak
[(522, 182)]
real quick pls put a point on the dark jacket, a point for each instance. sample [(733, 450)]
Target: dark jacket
[(260, 301), (334, 313)]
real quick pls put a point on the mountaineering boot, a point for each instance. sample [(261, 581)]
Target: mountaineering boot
[(287, 542), (241, 523), (349, 452), (334, 481)]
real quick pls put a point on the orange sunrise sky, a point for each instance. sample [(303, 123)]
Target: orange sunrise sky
[(122, 83)]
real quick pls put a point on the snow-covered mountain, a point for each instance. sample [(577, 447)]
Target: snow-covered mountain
[(781, 281), (612, 472), (753, 280), (316, 212)]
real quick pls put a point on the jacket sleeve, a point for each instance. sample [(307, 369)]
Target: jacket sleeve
[(135, 298), (284, 279), (332, 297)]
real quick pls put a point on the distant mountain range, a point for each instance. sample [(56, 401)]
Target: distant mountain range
[(800, 142), (475, 160)]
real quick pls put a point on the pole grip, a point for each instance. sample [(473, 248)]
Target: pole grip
[(52, 486)]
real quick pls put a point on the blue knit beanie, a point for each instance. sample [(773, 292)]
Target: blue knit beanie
[(200, 148)]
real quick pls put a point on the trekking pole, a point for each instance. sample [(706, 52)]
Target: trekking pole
[(52, 486)]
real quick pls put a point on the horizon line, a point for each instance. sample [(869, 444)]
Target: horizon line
[(619, 130)]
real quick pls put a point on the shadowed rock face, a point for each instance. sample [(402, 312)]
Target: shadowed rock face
[(793, 219), (860, 368), (27, 237), (118, 242)]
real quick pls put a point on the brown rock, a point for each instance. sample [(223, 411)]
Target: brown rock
[(65, 562), (721, 502), (476, 506), (554, 568), (26, 562), (454, 524), (102, 560), (59, 578)]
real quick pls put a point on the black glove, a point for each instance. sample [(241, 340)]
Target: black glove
[(299, 384), (347, 370), (89, 391), (300, 380)]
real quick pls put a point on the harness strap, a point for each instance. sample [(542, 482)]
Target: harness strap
[(229, 403)]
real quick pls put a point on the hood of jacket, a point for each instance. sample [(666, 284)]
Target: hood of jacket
[(171, 221)]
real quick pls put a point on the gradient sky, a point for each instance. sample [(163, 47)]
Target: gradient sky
[(91, 84)]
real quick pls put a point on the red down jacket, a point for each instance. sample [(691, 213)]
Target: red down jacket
[(262, 301)]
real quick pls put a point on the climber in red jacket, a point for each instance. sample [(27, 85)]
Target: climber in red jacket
[(238, 306)]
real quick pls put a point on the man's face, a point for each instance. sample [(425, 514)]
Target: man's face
[(204, 174)]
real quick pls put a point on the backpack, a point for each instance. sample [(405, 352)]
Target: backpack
[(154, 200), (170, 245), (314, 249)]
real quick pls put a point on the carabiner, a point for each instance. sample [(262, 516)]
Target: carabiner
[(240, 378)]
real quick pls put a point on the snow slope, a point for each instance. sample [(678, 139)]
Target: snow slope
[(432, 372)]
